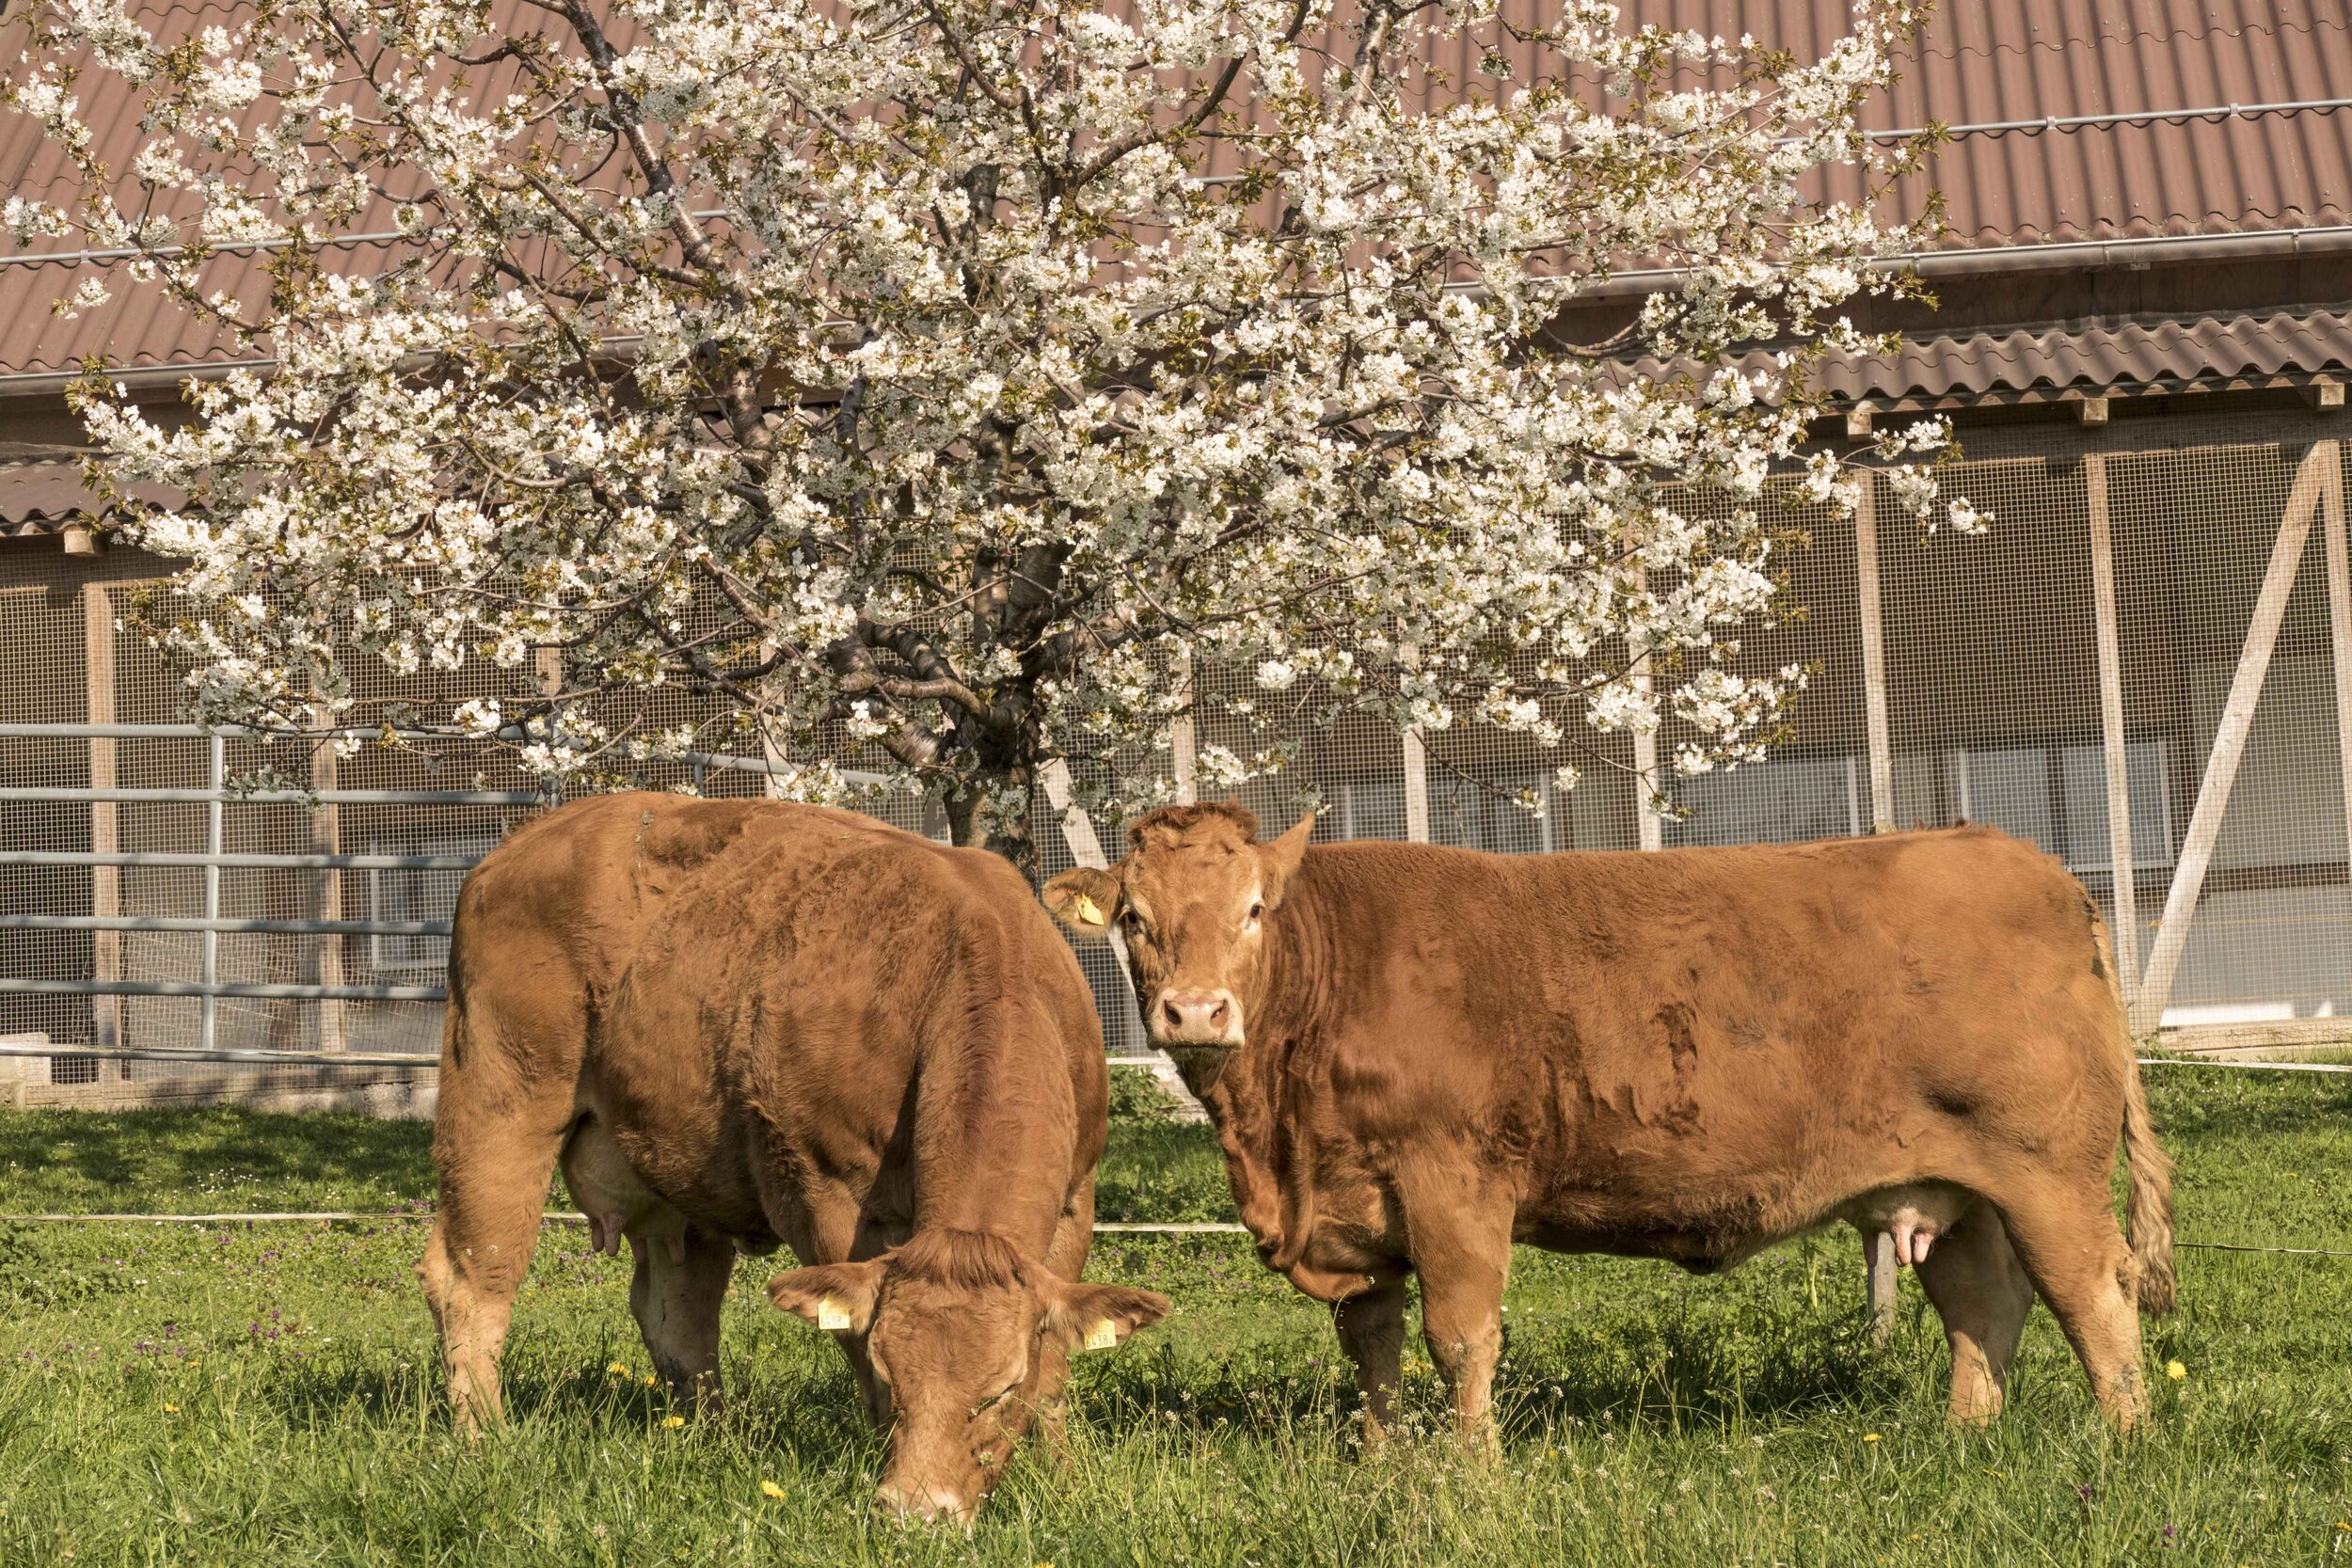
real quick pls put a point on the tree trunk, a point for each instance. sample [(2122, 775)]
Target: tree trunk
[(973, 825)]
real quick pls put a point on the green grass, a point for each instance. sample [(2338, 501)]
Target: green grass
[(264, 1394)]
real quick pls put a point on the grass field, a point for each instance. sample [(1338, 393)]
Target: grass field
[(264, 1394)]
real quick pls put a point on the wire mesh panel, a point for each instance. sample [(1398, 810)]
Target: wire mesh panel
[(2233, 707), (44, 680)]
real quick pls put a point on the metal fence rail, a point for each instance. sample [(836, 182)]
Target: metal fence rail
[(402, 938), (216, 794), (107, 796)]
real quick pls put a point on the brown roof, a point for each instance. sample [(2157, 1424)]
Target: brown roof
[(1997, 62), (2280, 349), (1981, 63)]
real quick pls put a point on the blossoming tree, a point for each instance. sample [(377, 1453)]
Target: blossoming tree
[(920, 382)]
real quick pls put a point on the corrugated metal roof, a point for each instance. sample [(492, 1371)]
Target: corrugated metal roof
[(45, 494), (2282, 347), (1994, 60)]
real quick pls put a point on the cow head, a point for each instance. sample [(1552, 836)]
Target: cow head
[(969, 1340), (1191, 899)]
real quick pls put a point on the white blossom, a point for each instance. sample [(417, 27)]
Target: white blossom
[(887, 387)]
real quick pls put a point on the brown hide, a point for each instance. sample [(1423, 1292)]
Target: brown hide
[(745, 1022), (1691, 1055)]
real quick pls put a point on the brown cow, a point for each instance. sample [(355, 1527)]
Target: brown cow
[(744, 1022), (1416, 1056)]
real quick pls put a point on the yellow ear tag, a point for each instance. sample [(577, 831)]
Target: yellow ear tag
[(1089, 913), (831, 1314), (1103, 1336)]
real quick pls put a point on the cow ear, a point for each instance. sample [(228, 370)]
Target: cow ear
[(1083, 900), (837, 1296), (1277, 862), (1098, 1316)]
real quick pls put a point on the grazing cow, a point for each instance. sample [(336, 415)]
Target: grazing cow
[(1415, 1057), (738, 1023)]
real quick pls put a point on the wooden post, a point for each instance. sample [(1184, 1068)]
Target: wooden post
[(327, 838), (2340, 629), (1878, 1247), (1878, 1257), (2125, 931), (1416, 787), (2229, 741), (105, 834), (1086, 848), (1649, 829), (1182, 741), (1875, 705)]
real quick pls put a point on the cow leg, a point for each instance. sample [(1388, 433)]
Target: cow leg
[(493, 1187), (1371, 1327), (2074, 1253), (1065, 1255), (1980, 1290), (678, 1286), (821, 1223), (1462, 1250)]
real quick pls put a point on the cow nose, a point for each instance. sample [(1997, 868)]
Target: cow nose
[(1201, 1017), (930, 1504)]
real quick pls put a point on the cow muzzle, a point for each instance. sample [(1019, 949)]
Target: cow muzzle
[(1197, 1017), (928, 1504)]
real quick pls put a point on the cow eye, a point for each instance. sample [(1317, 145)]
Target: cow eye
[(1255, 910)]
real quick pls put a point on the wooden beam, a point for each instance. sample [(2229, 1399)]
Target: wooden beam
[(106, 832), (2093, 410), (2339, 630), (1183, 743), (1416, 762), (1649, 829), (1858, 421), (327, 838), (1875, 711), (2124, 929), (2325, 393), (80, 539), (1086, 848), (2229, 741)]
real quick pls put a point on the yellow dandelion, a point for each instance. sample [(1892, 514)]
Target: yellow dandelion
[(673, 1420), (770, 1489), (171, 1410), (1869, 1436), (2174, 1371), (1995, 1474), (650, 1380), (618, 1369)]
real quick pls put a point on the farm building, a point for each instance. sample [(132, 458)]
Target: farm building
[(2142, 329)]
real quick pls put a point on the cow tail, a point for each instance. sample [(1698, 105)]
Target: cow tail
[(2147, 1201), (2148, 1198)]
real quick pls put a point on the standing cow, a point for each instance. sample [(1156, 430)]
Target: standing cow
[(743, 1022), (1415, 1057)]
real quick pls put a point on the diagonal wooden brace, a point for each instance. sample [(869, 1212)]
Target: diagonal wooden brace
[(2319, 478)]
